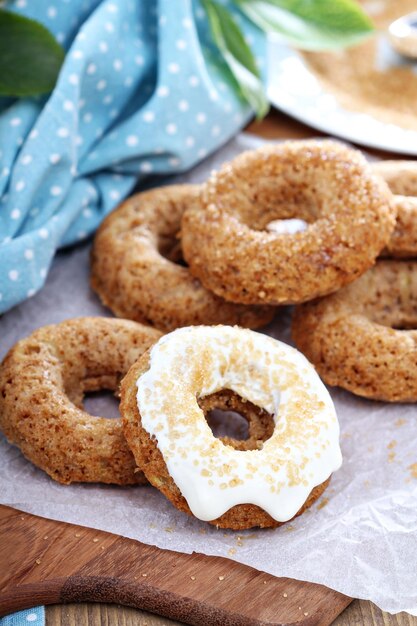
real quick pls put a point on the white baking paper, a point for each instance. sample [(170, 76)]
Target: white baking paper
[(360, 538)]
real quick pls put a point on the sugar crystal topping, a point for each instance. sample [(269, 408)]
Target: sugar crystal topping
[(302, 452)]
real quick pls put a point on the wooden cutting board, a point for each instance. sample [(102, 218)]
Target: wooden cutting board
[(48, 562)]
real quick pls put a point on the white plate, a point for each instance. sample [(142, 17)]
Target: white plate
[(292, 88)]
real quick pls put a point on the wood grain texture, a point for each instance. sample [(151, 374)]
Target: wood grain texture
[(47, 562), (358, 613), (362, 612)]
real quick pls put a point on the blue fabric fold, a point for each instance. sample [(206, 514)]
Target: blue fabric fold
[(141, 94), (28, 617)]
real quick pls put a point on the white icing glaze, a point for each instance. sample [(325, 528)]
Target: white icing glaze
[(287, 227), (303, 451)]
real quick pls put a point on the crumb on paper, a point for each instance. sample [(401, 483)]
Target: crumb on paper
[(400, 422), (413, 470), (231, 551), (391, 456)]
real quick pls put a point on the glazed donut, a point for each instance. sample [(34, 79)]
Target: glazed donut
[(274, 476), (42, 383), (135, 274), (348, 212), (401, 177), (361, 337)]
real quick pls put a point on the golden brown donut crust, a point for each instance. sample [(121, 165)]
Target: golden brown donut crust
[(349, 211), (134, 275), (403, 242), (43, 379), (353, 339), (401, 177), (150, 460)]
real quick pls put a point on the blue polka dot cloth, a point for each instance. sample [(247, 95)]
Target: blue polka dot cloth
[(142, 92), (29, 617)]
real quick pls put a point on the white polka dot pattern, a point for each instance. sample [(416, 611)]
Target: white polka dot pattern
[(141, 93), (35, 616)]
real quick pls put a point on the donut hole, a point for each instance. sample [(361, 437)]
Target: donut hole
[(389, 295), (405, 326), (397, 319), (96, 394), (236, 421), (287, 227), (397, 322), (228, 424), (401, 316), (101, 403), (285, 206), (170, 249)]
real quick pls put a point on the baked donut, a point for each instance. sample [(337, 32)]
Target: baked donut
[(401, 177), (361, 338), (283, 467), (403, 241), (135, 268), (348, 212), (42, 383)]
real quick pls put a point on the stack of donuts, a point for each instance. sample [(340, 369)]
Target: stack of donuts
[(302, 223), (284, 224)]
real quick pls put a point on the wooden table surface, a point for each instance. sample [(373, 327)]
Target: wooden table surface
[(274, 126)]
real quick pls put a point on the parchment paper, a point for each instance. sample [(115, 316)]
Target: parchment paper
[(360, 538)]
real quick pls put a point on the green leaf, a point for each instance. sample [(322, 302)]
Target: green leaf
[(237, 55), (30, 57), (311, 24)]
